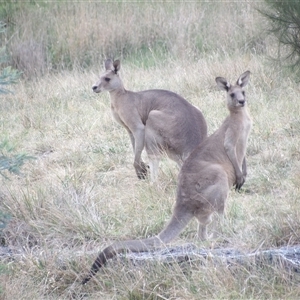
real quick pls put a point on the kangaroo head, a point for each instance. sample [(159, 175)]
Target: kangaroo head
[(110, 79), (235, 93)]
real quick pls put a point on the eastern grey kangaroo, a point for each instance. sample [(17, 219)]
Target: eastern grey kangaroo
[(204, 179), (159, 120)]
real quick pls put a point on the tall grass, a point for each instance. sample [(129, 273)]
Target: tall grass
[(81, 35), (81, 192)]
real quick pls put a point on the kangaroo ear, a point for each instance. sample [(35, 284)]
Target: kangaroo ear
[(117, 66), (223, 83), (108, 64), (243, 79)]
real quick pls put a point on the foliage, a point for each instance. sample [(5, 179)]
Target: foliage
[(284, 18), (11, 163), (7, 75), (4, 218)]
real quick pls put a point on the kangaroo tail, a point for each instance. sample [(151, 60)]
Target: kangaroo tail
[(171, 231), (116, 248)]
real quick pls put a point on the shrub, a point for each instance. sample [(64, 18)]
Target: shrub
[(284, 18), (8, 75)]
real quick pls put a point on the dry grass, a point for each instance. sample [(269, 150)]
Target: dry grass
[(81, 192), (81, 35)]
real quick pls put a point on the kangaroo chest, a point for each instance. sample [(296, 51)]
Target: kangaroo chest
[(245, 130), (115, 114), (129, 110)]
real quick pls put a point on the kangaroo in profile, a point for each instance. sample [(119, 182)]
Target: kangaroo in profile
[(159, 120), (204, 179)]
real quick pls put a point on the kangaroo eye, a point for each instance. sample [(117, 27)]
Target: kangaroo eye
[(232, 95), (243, 92), (107, 79)]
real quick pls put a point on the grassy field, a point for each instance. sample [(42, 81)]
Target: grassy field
[(80, 193)]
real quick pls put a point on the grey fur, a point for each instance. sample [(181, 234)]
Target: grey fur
[(158, 120), (205, 177)]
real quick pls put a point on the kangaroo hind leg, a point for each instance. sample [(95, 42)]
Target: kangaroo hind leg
[(154, 166), (203, 221), (154, 149), (215, 196)]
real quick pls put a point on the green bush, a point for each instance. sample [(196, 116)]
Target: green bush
[(7, 75), (284, 17), (13, 163)]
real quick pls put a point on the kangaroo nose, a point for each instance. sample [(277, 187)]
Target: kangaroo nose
[(94, 87), (242, 102)]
